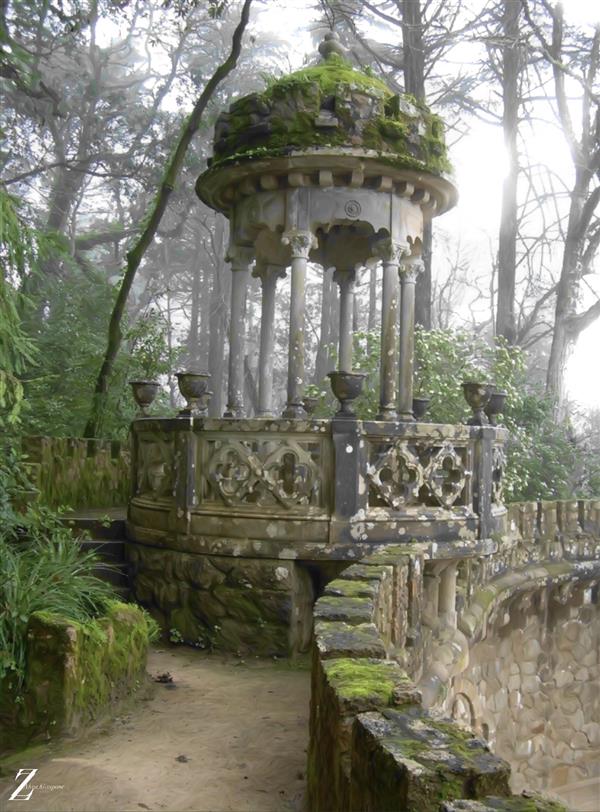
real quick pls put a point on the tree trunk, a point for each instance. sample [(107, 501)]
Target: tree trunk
[(566, 298), (193, 349), (136, 254), (507, 242), (414, 82)]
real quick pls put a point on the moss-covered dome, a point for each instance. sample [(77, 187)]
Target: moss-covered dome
[(332, 104)]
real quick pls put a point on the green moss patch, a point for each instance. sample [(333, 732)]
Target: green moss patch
[(77, 671), (328, 75), (367, 681), (332, 105)]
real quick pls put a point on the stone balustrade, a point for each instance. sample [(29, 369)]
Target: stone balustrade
[(316, 488), (76, 472)]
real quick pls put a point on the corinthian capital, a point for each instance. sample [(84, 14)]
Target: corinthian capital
[(388, 250), (410, 269), (301, 242)]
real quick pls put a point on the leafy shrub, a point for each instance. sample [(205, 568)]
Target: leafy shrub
[(546, 459), (49, 572)]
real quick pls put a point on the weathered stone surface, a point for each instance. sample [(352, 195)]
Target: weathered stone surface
[(75, 673), (336, 639), (242, 605), (526, 802), (353, 610), (405, 760)]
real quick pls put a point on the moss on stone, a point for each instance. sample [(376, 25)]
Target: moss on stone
[(351, 589), (328, 75), (360, 110), (354, 679)]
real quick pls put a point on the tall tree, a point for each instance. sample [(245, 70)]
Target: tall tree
[(136, 253), (574, 61), (507, 240)]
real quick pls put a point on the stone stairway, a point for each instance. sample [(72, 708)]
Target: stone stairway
[(106, 537)]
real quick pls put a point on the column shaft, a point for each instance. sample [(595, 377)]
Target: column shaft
[(389, 342), (268, 276), (447, 594), (345, 279), (408, 278), (300, 243), (240, 267)]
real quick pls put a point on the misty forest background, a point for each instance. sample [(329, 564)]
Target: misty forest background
[(112, 269)]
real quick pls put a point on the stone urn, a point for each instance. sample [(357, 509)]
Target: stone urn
[(495, 405), (194, 388), (419, 407), (477, 396), (346, 386), (310, 403), (144, 393)]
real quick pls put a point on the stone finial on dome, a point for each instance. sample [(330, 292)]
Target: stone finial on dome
[(332, 45)]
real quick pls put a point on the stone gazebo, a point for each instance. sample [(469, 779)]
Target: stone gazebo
[(236, 521)]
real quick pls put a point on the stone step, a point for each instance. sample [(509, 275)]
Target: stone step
[(97, 527), (112, 573), (112, 550)]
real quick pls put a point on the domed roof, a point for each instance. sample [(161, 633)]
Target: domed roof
[(331, 104)]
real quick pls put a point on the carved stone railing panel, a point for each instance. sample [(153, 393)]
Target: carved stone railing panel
[(498, 468), (353, 482), (155, 464), (258, 471), (413, 472)]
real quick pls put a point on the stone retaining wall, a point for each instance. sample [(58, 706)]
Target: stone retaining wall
[(75, 673), (532, 686), (372, 746), (262, 606)]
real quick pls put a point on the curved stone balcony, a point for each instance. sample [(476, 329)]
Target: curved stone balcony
[(313, 489)]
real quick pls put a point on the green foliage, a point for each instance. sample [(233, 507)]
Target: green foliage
[(545, 459), (17, 350), (71, 341), (47, 572)]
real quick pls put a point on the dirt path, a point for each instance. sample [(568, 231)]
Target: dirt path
[(228, 736)]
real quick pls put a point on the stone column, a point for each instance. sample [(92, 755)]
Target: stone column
[(300, 243), (409, 271), (345, 279), (431, 588), (390, 253), (241, 260), (268, 275), (447, 594)]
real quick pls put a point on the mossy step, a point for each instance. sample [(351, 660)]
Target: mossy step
[(98, 527), (112, 573)]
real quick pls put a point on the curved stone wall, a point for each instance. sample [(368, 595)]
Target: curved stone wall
[(531, 687), (419, 642)]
